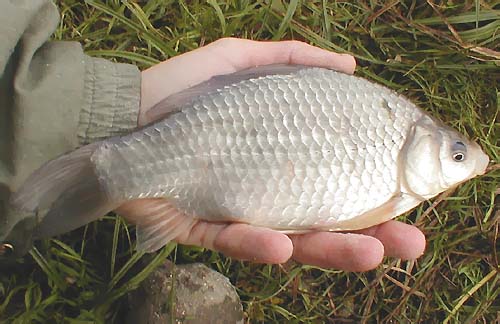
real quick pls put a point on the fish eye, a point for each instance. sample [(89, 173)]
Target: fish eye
[(459, 149), (458, 156)]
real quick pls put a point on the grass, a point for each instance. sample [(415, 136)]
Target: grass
[(442, 55)]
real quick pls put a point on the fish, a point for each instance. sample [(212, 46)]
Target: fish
[(287, 147)]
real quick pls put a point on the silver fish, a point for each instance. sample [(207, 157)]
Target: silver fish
[(291, 148)]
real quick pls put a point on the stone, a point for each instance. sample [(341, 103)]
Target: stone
[(198, 295)]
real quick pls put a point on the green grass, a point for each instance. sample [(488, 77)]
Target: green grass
[(441, 56)]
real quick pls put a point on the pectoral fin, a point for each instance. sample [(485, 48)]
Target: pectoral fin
[(395, 206)]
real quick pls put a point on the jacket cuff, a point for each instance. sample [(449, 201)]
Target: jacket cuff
[(111, 100)]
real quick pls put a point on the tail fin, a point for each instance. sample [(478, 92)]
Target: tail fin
[(65, 193)]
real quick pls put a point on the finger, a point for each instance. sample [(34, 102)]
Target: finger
[(244, 54), (400, 240), (245, 242), (351, 252), (228, 55), (241, 241)]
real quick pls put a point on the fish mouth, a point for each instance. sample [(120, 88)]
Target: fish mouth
[(482, 163), (481, 159)]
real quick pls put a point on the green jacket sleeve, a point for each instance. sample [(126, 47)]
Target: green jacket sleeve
[(53, 98)]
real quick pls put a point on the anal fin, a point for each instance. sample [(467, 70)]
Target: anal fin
[(159, 223)]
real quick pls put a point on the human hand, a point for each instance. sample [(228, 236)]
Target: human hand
[(358, 251)]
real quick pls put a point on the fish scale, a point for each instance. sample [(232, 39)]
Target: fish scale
[(244, 139)]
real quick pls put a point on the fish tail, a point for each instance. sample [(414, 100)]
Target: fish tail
[(64, 194)]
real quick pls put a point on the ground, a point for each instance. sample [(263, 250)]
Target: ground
[(440, 54)]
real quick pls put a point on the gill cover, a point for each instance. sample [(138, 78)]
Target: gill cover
[(420, 163)]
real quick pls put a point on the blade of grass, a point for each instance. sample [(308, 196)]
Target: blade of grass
[(285, 22), (153, 39), (469, 294), (219, 14)]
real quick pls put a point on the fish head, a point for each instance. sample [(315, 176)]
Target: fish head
[(461, 159), (436, 157)]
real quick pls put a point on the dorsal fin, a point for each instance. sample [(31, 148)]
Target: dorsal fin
[(178, 100)]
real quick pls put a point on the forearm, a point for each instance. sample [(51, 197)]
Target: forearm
[(53, 98)]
